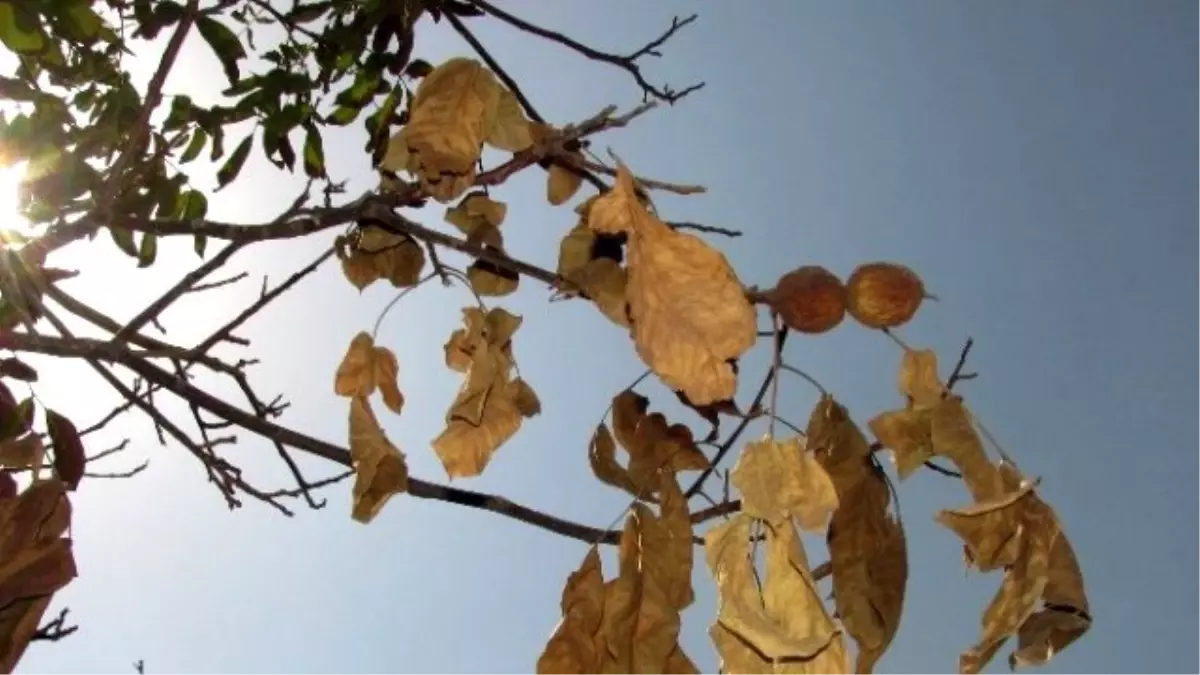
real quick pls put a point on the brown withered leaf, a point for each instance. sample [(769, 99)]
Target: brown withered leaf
[(779, 479), (379, 254), (452, 112), (1024, 538), (689, 311), (711, 412), (366, 367), (652, 445), (639, 631), (919, 378), (479, 217), (380, 470), (907, 434), (953, 436), (489, 406), (69, 456), (785, 629), (34, 562), (23, 452), (572, 648), (867, 548), (562, 183), (508, 128), (602, 456), (667, 543), (490, 280)]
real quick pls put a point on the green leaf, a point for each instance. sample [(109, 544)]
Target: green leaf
[(19, 29), (191, 205), (225, 45), (233, 166), (84, 22), (195, 146), (314, 153), (308, 13), (148, 251), (123, 237), (199, 243), (16, 420), (342, 116), (418, 68)]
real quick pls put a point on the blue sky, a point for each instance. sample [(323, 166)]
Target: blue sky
[(1030, 160)]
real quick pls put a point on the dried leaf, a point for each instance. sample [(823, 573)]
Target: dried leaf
[(452, 110), (919, 378), (786, 628), (867, 548), (652, 444), (562, 183), (489, 407), (479, 217), (605, 283), (525, 397), (780, 480), (69, 456), (365, 367), (602, 456), (572, 647), (953, 436), (907, 434), (491, 280), (380, 254), (379, 467), (510, 129), (23, 452), (689, 312)]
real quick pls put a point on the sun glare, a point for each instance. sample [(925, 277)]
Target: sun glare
[(10, 182)]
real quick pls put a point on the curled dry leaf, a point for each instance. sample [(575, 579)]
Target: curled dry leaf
[(22, 453), (479, 217), (380, 470), (809, 299), (782, 629), (779, 479), (366, 367), (639, 631), (454, 109), (690, 314), (69, 457), (490, 280), (919, 379), (883, 295), (562, 183), (867, 548), (489, 407), (573, 648), (509, 129), (1039, 566), (35, 562), (652, 444), (592, 263), (379, 254)]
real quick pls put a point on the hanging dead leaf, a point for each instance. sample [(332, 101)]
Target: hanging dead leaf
[(365, 367), (572, 647), (491, 280), (779, 480), (605, 283), (509, 129), (689, 312), (562, 183), (397, 157), (602, 456), (786, 628), (1064, 616), (953, 436), (907, 434), (479, 217), (489, 407), (652, 445), (380, 470), (69, 456), (453, 108), (919, 378), (525, 398), (22, 453), (380, 254)]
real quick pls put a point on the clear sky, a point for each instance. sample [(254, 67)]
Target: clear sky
[(1031, 160)]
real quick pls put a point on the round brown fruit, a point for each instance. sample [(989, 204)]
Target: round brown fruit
[(883, 295), (809, 299)]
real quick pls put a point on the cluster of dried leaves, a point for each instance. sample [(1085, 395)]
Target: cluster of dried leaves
[(690, 319)]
